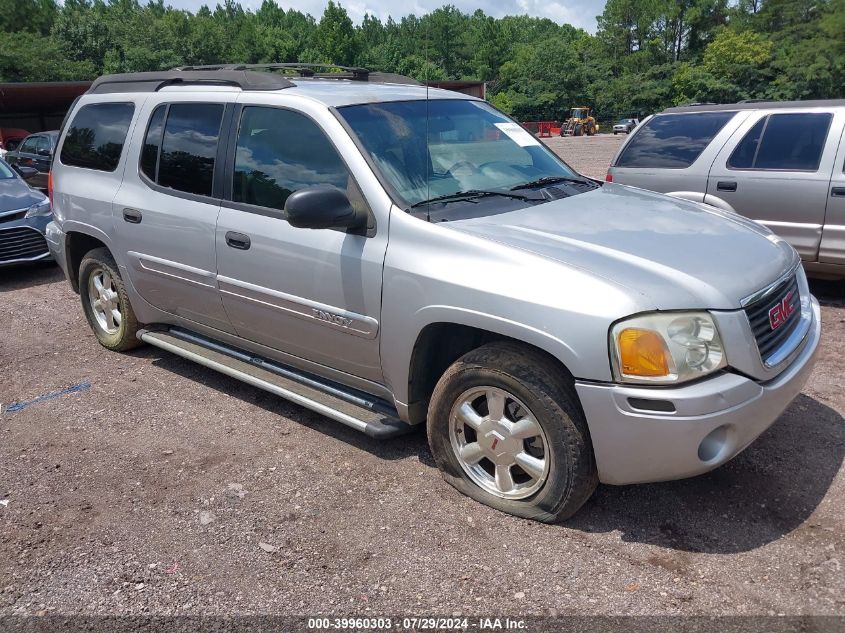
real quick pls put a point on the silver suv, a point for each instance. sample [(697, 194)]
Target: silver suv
[(343, 241), (780, 163)]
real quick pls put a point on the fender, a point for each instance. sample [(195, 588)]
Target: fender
[(398, 362), (75, 226)]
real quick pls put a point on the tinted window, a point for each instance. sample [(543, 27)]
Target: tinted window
[(42, 147), (784, 142), (189, 147), (152, 143), (279, 152), (96, 136), (673, 141), (28, 146), (743, 155)]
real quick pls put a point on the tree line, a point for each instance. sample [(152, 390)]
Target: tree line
[(644, 56)]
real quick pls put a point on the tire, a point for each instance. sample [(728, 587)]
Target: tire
[(542, 392), (614, 134), (98, 264), (578, 131)]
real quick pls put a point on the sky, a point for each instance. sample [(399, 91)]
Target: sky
[(578, 13)]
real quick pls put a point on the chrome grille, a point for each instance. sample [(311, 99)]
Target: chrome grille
[(761, 317), (21, 243)]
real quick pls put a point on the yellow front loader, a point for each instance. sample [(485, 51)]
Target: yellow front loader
[(580, 122)]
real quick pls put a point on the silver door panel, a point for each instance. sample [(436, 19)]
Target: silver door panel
[(170, 253), (271, 290), (318, 313)]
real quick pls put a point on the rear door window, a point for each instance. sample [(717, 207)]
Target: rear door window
[(673, 141), (783, 142), (96, 136), (188, 147), (152, 143)]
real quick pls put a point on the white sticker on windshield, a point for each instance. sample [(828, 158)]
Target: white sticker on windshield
[(517, 134)]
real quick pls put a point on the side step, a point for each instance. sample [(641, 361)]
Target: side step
[(355, 409)]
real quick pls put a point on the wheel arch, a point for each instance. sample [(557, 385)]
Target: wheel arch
[(439, 343), (77, 244)]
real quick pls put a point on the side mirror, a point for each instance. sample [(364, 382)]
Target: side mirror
[(25, 172), (322, 207)]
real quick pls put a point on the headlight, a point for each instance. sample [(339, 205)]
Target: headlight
[(666, 347), (40, 208)]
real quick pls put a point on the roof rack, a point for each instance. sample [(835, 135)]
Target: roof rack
[(242, 76), (756, 104), (355, 73), (153, 81)]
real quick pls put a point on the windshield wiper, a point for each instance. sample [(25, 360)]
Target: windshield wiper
[(470, 194), (550, 180)]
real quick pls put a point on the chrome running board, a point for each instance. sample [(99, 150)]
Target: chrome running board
[(357, 410)]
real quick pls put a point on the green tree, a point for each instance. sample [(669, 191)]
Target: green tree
[(336, 36)]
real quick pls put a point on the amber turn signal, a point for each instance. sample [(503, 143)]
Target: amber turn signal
[(642, 353)]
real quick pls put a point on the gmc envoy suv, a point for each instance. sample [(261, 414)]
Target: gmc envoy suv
[(390, 255)]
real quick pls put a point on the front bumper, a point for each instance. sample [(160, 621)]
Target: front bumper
[(713, 420), (22, 241)]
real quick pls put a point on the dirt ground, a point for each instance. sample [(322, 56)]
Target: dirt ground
[(156, 486)]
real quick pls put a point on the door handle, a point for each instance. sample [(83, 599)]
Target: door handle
[(133, 216), (726, 185), (837, 192), (238, 240)]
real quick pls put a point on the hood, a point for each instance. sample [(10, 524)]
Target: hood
[(15, 194), (677, 254)]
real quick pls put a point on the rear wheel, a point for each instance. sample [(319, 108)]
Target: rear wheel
[(105, 302), (506, 429)]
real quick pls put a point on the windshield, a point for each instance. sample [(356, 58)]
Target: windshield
[(5, 171), (580, 113), (471, 147)]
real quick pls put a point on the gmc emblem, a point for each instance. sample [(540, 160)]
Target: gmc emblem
[(781, 311)]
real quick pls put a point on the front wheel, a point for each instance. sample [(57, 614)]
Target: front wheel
[(506, 428), (105, 302)]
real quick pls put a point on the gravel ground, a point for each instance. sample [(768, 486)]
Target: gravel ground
[(590, 155), (166, 488)]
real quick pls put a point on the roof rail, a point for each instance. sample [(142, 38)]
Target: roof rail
[(243, 76), (355, 73), (153, 81)]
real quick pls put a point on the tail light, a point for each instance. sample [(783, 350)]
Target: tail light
[(609, 177), (50, 186)]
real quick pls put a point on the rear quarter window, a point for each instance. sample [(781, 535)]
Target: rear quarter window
[(673, 141), (96, 136)]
